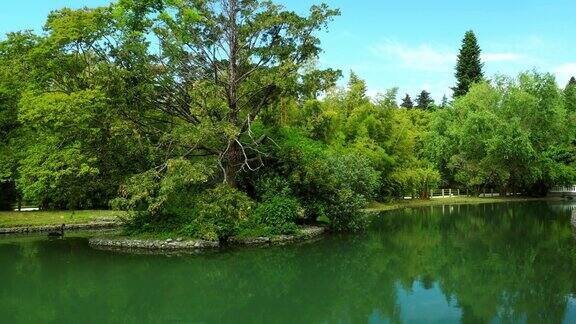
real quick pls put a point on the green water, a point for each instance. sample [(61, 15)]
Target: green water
[(503, 263)]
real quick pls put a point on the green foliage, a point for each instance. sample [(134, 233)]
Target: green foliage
[(510, 136), (469, 66), (180, 203), (444, 103), (424, 101), (407, 102), (80, 153), (570, 95), (274, 216), (415, 181), (89, 113), (331, 183), (165, 196), (15, 77), (220, 213)]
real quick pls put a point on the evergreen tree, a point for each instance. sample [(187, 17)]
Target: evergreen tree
[(444, 102), (469, 66), (424, 101), (407, 102), (570, 95)]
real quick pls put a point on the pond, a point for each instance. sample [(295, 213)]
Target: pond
[(493, 263)]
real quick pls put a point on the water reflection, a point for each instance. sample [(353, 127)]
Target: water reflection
[(504, 263)]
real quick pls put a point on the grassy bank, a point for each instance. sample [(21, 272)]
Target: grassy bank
[(379, 207), (39, 218)]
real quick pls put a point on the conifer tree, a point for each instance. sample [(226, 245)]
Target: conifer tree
[(424, 101), (469, 66), (570, 95), (444, 102), (407, 102)]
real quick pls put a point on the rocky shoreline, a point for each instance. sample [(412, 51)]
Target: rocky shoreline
[(130, 245), (52, 228)]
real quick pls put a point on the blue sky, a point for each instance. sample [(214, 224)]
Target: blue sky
[(411, 44)]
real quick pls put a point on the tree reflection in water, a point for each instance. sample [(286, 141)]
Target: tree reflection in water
[(507, 263)]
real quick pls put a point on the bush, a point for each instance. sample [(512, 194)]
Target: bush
[(277, 215), (273, 185), (346, 183), (220, 213), (332, 184), (345, 211), (180, 202)]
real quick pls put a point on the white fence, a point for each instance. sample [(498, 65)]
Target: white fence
[(444, 193), (448, 193), (564, 189)]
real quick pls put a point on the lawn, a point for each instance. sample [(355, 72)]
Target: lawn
[(38, 218)]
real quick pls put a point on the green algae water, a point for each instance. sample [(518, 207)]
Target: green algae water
[(500, 263)]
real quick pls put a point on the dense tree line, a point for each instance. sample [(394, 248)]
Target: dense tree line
[(210, 119)]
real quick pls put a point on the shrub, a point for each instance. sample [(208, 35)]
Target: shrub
[(269, 186), (332, 184), (345, 184), (278, 214), (181, 202), (220, 213), (344, 211)]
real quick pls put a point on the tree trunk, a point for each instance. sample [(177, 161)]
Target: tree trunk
[(233, 156), (232, 165)]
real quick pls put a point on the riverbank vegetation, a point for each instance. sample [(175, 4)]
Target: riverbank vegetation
[(211, 119)]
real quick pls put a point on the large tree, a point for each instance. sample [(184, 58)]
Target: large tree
[(16, 75), (74, 146), (222, 63), (139, 84), (469, 65)]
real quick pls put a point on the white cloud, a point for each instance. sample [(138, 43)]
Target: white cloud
[(565, 72), (426, 58), (501, 57), (420, 58), (431, 66)]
